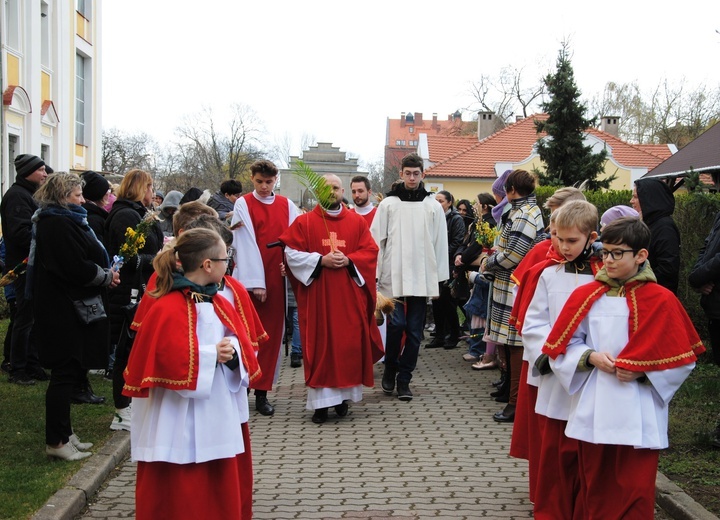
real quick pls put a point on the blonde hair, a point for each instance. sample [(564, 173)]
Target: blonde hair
[(577, 213), (188, 212), (193, 247), (562, 196), (134, 185), (57, 188)]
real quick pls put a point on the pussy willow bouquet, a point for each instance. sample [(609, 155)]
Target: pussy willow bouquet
[(135, 238), (486, 234)]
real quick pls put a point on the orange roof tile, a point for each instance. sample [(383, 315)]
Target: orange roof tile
[(515, 143)]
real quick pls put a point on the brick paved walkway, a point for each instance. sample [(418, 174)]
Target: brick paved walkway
[(439, 456)]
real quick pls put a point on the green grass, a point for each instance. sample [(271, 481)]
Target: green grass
[(691, 462), (28, 478)]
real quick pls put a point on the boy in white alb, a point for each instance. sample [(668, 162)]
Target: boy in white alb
[(574, 231), (621, 347)]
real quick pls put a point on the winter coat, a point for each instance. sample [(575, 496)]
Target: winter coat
[(658, 204), (223, 206), (136, 271), (69, 264), (456, 233), (96, 217), (165, 220), (16, 211), (707, 270)]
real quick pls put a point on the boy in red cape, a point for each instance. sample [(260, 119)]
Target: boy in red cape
[(333, 258), (621, 347)]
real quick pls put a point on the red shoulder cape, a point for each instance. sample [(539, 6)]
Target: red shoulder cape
[(165, 354), (660, 333)]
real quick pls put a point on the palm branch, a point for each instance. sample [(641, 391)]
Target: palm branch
[(318, 186)]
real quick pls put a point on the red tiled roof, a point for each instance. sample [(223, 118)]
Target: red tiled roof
[(397, 131), (515, 144), (442, 147)]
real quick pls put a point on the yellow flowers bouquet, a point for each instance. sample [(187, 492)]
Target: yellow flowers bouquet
[(486, 234), (135, 238)]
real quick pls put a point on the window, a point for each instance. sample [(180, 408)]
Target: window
[(83, 7), (400, 142), (79, 99), (412, 129), (12, 23), (45, 153), (44, 35), (12, 153)]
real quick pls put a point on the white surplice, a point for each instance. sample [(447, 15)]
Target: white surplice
[(189, 426)]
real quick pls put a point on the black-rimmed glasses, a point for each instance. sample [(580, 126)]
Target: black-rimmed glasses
[(226, 260), (617, 254)]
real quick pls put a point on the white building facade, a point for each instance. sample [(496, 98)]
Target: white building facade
[(51, 84)]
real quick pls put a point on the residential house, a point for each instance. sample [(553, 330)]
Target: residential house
[(51, 84), (701, 155), (466, 167)]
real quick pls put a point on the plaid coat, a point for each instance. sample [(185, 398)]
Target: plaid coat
[(519, 233)]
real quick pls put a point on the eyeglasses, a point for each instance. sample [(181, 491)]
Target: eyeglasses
[(617, 254), (226, 260)]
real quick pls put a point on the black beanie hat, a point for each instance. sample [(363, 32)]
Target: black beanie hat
[(26, 164), (96, 186)]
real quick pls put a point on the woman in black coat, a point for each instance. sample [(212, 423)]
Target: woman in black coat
[(134, 197), (67, 263)]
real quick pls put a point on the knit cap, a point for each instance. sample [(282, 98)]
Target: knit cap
[(27, 164), (96, 186)]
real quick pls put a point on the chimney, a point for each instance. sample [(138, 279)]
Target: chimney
[(486, 125), (519, 117), (418, 119), (402, 119), (610, 125), (434, 121)]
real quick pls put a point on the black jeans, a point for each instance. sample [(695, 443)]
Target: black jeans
[(714, 330), (23, 353), (63, 383)]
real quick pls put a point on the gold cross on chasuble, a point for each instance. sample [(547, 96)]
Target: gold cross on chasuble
[(333, 242)]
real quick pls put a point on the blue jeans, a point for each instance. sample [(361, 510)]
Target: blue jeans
[(296, 346), (409, 318)]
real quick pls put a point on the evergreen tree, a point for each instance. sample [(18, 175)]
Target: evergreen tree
[(567, 159)]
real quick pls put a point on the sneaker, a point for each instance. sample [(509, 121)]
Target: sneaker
[(82, 446), (21, 378), (388, 381), (471, 358), (403, 391), (122, 419), (67, 452), (295, 360)]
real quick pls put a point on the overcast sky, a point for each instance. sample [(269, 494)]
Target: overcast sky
[(336, 70)]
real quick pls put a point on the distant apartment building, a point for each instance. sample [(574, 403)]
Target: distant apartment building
[(51, 84), (402, 135)]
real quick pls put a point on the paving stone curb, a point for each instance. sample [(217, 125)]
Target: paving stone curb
[(67, 503), (678, 504)]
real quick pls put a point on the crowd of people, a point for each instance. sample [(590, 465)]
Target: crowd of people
[(185, 299)]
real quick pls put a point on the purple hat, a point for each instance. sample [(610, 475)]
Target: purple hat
[(616, 212), (498, 186)]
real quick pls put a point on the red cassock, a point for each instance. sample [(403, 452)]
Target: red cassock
[(269, 221), (340, 338)]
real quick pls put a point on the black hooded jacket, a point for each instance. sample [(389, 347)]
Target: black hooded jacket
[(658, 204)]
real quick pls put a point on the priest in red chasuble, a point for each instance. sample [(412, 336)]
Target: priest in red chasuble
[(332, 259)]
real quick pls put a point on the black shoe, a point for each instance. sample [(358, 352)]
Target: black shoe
[(506, 415), (403, 391), (21, 378), (438, 342), (262, 405), (108, 374), (498, 383), (38, 374), (505, 398), (87, 397), (295, 360), (450, 343), (498, 392), (320, 415), (342, 409), (388, 381), (5, 367)]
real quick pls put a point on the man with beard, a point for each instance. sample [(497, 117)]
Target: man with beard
[(360, 190), (332, 259)]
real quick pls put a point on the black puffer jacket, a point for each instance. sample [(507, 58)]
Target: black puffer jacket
[(707, 270), (128, 214), (658, 204), (456, 233), (16, 211)]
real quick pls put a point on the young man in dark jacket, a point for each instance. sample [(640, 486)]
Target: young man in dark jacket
[(654, 200), (16, 211)]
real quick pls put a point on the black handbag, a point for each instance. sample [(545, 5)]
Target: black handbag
[(90, 310)]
